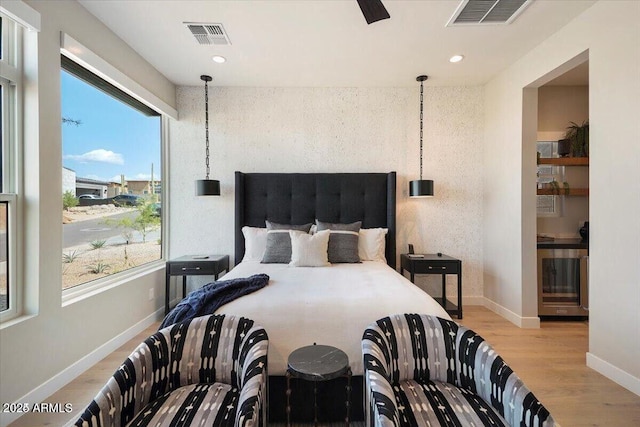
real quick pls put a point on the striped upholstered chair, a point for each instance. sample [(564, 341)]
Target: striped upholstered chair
[(422, 370), (211, 371)]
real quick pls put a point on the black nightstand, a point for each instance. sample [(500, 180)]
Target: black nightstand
[(434, 264), (193, 265)]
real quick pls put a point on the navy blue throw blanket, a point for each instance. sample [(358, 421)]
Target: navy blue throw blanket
[(212, 296)]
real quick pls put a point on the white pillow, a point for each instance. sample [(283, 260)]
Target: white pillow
[(309, 250), (371, 244), (255, 243)]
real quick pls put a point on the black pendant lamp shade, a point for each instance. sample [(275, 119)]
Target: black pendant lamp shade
[(421, 187), (207, 187)]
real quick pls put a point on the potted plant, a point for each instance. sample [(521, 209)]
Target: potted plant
[(578, 135), (555, 187)]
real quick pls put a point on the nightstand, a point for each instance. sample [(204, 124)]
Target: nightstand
[(193, 265), (434, 264)]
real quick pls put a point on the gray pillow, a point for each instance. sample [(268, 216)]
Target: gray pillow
[(343, 241), (278, 250)]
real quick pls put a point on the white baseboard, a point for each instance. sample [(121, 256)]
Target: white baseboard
[(614, 373), (522, 322), (64, 377)]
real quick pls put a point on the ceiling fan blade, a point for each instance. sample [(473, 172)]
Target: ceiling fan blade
[(373, 10)]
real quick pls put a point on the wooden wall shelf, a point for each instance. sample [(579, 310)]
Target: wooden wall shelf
[(565, 161), (572, 192)]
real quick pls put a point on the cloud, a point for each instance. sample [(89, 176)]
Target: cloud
[(99, 155), (144, 176)]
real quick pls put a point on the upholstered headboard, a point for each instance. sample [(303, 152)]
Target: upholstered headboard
[(300, 198)]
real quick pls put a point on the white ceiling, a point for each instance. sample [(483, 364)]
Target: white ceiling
[(327, 43)]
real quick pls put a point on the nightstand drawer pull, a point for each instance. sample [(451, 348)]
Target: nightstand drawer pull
[(190, 268), (431, 267)]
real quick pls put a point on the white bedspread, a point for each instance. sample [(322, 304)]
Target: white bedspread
[(326, 305)]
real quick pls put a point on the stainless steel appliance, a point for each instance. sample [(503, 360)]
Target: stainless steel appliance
[(563, 288)]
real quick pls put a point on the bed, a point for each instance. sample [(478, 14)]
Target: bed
[(326, 305)]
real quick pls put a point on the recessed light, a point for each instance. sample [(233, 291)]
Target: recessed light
[(456, 58), (219, 59)]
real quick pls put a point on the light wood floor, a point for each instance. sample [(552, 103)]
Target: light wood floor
[(550, 360)]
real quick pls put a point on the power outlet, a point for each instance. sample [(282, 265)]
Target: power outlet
[(152, 294)]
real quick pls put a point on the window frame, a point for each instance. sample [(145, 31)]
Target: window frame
[(12, 120), (105, 71), (554, 173)]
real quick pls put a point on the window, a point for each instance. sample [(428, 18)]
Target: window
[(549, 206), (112, 158), (10, 89)]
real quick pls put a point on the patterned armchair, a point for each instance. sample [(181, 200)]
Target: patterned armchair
[(211, 370), (422, 370)]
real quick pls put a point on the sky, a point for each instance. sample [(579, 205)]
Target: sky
[(112, 138)]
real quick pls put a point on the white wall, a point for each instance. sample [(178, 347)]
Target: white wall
[(68, 181), (610, 32), (334, 130), (39, 346), (558, 106)]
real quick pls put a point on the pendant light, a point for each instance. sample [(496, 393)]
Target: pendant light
[(207, 187), (421, 187)]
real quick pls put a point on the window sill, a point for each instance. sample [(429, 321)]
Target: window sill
[(82, 292), (13, 321)]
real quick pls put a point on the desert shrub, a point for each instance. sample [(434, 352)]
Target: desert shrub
[(97, 244), (69, 257), (98, 267), (69, 200)]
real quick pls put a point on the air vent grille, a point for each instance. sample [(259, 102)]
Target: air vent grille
[(479, 12), (208, 33)]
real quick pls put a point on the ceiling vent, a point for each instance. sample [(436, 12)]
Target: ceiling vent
[(486, 12), (208, 33)]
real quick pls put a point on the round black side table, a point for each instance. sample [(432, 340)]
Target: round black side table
[(318, 363)]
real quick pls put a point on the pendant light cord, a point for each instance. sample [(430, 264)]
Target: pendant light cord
[(206, 125), (421, 116)]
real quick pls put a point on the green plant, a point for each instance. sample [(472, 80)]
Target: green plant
[(97, 244), (555, 187), (578, 135), (127, 235), (146, 220), (69, 200), (98, 268), (69, 257), (127, 225)]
